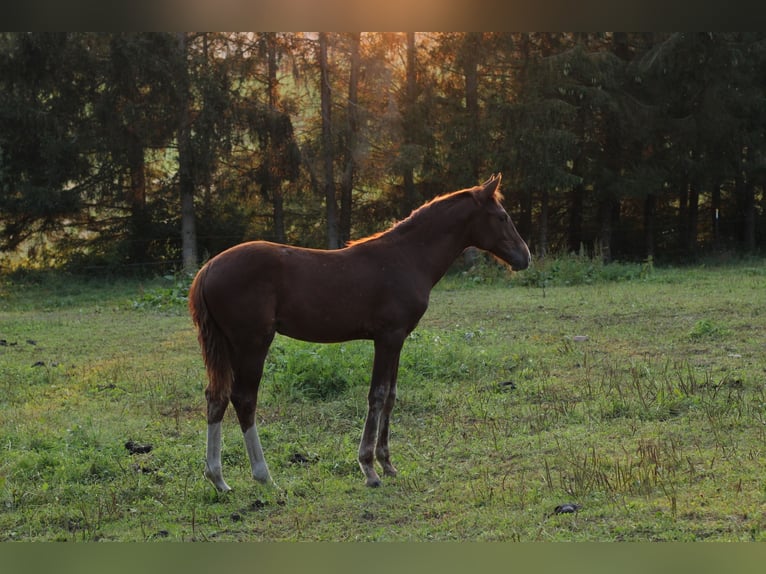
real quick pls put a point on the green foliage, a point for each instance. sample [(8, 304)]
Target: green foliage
[(706, 329), (512, 402), (300, 372), (41, 155), (173, 295), (620, 139), (565, 269), (572, 269)]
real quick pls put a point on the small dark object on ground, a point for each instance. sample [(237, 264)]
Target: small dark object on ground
[(507, 386), (39, 364), (31, 341), (567, 508), (298, 458), (135, 448)]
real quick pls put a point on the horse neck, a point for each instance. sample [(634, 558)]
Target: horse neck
[(434, 244)]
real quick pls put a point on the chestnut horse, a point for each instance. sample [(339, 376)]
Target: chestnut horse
[(376, 288)]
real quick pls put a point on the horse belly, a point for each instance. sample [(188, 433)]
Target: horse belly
[(324, 320), (333, 316)]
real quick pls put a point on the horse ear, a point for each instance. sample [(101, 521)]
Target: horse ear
[(488, 188)]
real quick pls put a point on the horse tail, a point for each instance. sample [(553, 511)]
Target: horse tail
[(216, 350)]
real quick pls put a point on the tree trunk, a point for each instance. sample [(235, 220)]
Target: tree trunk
[(749, 216), (575, 217), (693, 216), (185, 174), (715, 215), (410, 197), (471, 71), (525, 219), (748, 204), (139, 215), (542, 248), (272, 183), (650, 215), (352, 129), (606, 210), (683, 218), (333, 239)]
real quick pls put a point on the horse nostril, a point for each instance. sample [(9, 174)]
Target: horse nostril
[(523, 262)]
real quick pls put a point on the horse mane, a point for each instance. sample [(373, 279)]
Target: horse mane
[(420, 212)]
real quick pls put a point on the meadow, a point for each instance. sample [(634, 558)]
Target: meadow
[(570, 402)]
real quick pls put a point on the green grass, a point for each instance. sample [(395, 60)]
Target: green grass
[(638, 393)]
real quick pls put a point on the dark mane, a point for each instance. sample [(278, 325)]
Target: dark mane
[(417, 214)]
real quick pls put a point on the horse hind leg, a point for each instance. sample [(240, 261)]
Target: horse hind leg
[(213, 469), (245, 407), (259, 468), (245, 399)]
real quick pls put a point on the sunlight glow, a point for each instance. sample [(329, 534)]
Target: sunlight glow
[(328, 15)]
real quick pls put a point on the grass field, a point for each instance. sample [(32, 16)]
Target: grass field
[(639, 396)]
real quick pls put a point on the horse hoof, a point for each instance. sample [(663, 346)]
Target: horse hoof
[(264, 479), (221, 486), (216, 480), (390, 470), (373, 482)]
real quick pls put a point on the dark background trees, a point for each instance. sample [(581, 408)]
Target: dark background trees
[(163, 149)]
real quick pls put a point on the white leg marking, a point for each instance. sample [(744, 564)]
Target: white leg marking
[(255, 453), (213, 458)]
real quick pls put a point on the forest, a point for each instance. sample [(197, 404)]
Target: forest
[(159, 150)]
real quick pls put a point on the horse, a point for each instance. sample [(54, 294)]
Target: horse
[(376, 288)]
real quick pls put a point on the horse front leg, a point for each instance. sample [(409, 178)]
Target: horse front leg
[(213, 470), (379, 408), (382, 452), (367, 444)]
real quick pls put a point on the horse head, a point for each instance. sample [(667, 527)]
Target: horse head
[(492, 229)]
